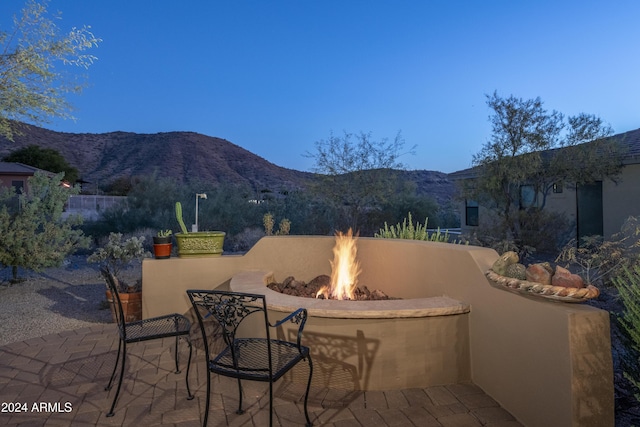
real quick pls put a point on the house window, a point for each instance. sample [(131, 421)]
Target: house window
[(557, 187), (471, 213), (528, 197), (18, 185)]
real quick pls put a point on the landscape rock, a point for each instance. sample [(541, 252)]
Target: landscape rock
[(505, 260), (563, 277), (517, 271), (540, 273)]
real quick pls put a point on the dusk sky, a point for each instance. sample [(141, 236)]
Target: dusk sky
[(275, 76)]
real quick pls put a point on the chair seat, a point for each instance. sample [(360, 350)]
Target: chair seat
[(252, 359), (170, 325)]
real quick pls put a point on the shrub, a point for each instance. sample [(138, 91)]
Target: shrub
[(542, 230), (33, 233), (118, 254), (628, 284), (283, 228), (411, 232), (598, 260)]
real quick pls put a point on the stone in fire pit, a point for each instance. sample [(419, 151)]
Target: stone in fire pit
[(319, 288)]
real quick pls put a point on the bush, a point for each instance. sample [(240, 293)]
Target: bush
[(598, 260), (628, 284), (544, 231), (411, 232), (118, 254)]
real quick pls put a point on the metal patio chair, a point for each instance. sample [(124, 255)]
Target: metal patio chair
[(256, 359), (170, 325)]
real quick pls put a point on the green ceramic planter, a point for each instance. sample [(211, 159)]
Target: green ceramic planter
[(200, 244)]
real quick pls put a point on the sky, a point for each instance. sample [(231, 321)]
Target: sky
[(276, 76)]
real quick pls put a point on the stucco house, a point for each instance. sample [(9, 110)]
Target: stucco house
[(17, 174), (598, 208)]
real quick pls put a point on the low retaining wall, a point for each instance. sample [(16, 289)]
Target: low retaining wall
[(547, 363)]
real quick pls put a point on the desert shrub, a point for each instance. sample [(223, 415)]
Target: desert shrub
[(542, 230), (245, 240), (227, 208), (395, 209), (307, 212), (118, 253), (598, 259), (627, 282), (149, 204), (490, 234), (406, 230), (283, 228), (33, 232)]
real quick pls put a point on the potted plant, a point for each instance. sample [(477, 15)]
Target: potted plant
[(199, 243), (162, 244), (115, 256)]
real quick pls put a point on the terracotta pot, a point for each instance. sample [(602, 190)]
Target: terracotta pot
[(131, 306), (162, 250)]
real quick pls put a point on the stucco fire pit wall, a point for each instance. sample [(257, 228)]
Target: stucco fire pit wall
[(547, 363), (376, 345)]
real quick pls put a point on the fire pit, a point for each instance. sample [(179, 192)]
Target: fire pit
[(375, 344), (343, 282)]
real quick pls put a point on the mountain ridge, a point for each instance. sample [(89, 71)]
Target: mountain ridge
[(183, 156)]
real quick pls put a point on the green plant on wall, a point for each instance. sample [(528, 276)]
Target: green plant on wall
[(406, 230), (628, 285), (183, 227)]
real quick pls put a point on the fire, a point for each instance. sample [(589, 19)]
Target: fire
[(344, 268)]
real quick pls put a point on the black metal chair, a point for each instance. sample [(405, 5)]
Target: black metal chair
[(170, 325), (256, 359)]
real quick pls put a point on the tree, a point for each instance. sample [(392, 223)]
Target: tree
[(531, 146), (357, 172), (32, 88), (33, 233), (47, 159)]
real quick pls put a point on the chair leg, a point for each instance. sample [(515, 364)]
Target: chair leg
[(239, 411), (207, 401), (270, 403), (115, 398), (176, 357), (189, 395), (306, 395), (113, 374)]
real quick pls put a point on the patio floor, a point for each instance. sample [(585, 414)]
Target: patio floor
[(67, 373)]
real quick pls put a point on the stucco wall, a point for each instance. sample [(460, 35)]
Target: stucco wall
[(547, 363)]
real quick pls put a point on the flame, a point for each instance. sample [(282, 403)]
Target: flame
[(344, 267)]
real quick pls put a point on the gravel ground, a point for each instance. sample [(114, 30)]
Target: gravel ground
[(53, 300)]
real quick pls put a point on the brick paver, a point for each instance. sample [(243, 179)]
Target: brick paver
[(59, 380)]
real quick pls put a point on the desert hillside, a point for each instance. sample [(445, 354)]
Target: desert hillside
[(183, 156)]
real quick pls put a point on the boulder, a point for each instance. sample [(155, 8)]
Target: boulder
[(505, 260), (517, 271), (563, 277), (540, 273)]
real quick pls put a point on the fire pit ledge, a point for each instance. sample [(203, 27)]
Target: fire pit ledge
[(255, 282)]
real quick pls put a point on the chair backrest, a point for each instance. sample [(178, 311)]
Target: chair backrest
[(112, 285), (229, 310)]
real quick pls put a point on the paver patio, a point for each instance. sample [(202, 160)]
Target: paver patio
[(64, 375)]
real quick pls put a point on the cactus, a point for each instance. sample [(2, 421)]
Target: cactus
[(179, 218), (165, 233)]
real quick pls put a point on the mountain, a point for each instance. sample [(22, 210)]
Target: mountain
[(183, 156)]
